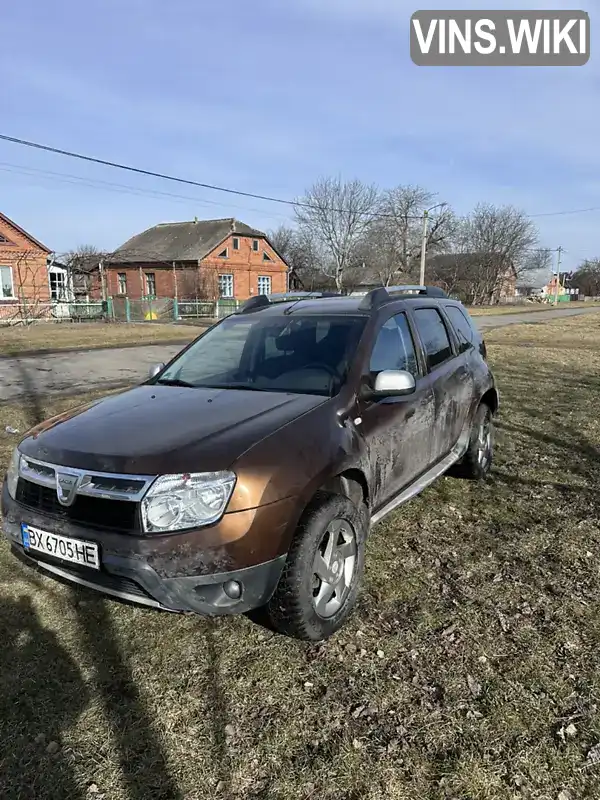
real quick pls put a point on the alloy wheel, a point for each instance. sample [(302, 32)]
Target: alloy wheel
[(333, 568)]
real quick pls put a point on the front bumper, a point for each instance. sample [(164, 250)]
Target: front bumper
[(176, 572)]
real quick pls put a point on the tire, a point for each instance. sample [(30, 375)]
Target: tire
[(299, 606), (477, 461)]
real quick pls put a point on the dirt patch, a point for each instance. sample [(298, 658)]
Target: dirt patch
[(469, 670)]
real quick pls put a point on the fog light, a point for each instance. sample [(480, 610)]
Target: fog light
[(233, 589)]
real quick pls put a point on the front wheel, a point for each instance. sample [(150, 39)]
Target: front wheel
[(319, 583), (477, 461)]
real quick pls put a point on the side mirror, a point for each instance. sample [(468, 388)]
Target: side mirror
[(392, 383), (155, 369)]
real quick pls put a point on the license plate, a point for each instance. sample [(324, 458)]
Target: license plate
[(76, 551)]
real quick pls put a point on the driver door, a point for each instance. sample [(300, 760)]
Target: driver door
[(396, 430)]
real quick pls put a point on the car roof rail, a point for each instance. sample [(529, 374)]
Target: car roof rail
[(264, 300), (254, 303), (383, 294)]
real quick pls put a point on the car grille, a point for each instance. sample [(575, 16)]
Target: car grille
[(93, 512), (100, 579), (104, 580)]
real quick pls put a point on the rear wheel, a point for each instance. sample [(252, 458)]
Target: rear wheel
[(319, 583), (477, 461)]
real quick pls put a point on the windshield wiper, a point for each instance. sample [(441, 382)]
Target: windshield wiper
[(248, 387), (175, 382)]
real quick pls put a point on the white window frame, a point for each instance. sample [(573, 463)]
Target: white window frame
[(235, 241), (4, 299), (148, 292), (121, 285), (59, 293), (228, 279), (224, 253), (261, 279), (255, 245)]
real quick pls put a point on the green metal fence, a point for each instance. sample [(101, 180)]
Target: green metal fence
[(168, 309)]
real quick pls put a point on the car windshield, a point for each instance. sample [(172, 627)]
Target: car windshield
[(297, 354)]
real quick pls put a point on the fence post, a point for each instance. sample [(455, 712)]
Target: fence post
[(110, 309), (175, 309), (127, 310)]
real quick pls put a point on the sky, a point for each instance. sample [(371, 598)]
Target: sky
[(266, 96)]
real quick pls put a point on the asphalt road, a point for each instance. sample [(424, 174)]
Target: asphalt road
[(68, 373)]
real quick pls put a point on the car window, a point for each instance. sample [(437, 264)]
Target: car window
[(300, 354), (462, 328), (394, 347), (433, 335)]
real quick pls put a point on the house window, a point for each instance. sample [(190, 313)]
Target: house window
[(255, 245), (122, 276), (226, 285), (150, 284), (266, 256), (224, 253), (264, 284), (3, 239), (236, 243), (58, 285), (7, 287)]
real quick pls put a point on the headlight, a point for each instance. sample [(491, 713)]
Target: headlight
[(12, 476), (174, 502)]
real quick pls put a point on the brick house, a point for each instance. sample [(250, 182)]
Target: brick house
[(24, 272), (205, 259)]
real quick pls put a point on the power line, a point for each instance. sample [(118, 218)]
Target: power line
[(77, 180), (238, 192), (187, 181), (564, 213)]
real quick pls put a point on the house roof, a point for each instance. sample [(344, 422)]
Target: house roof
[(180, 241), (23, 232)]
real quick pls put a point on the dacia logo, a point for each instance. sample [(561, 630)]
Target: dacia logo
[(66, 488)]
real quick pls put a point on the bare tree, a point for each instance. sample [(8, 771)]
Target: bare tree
[(83, 264), (495, 244), (297, 246), (30, 279), (394, 241), (587, 278), (336, 215)]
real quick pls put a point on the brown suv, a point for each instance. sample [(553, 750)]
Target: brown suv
[(246, 473)]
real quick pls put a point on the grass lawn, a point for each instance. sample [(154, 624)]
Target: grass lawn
[(469, 670), (481, 311), (48, 336)]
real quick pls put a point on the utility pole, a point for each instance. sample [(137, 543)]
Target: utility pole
[(558, 260), (424, 240), (424, 248)]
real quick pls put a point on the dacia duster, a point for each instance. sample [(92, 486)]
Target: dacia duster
[(245, 474)]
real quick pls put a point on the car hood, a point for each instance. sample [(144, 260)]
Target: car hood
[(152, 430)]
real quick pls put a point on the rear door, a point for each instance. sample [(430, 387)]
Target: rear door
[(396, 430), (449, 375)]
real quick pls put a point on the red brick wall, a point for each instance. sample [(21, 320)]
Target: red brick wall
[(29, 270), (187, 280), (244, 264)]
